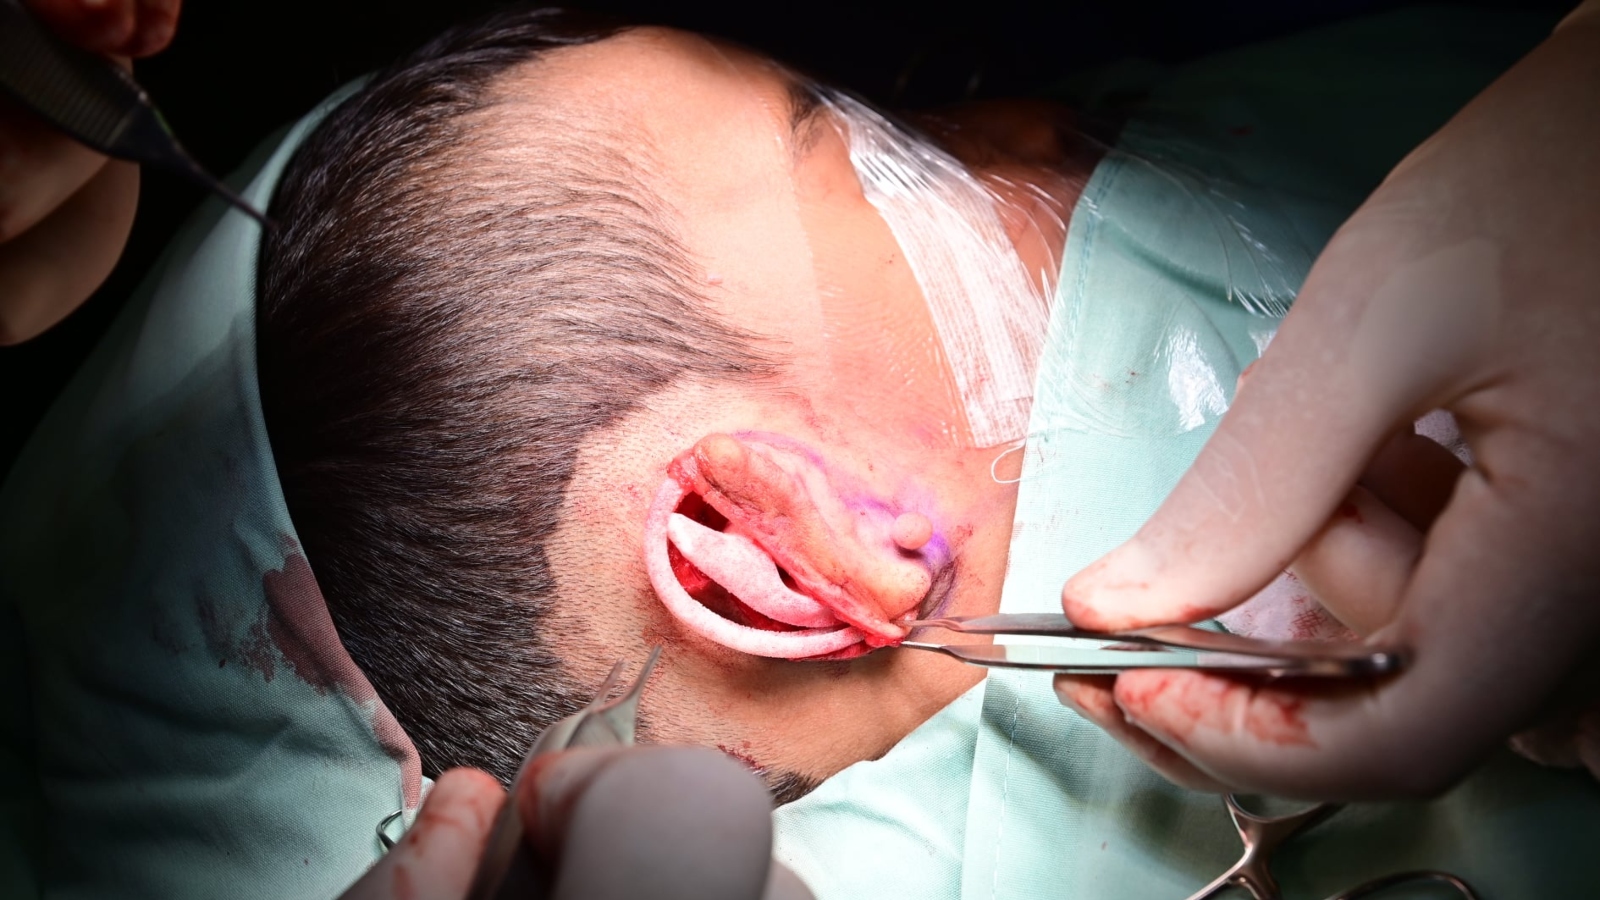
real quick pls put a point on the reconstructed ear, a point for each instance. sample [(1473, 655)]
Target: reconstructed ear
[(755, 544), (709, 609)]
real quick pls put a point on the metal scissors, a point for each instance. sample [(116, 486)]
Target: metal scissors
[(1263, 835), (508, 867), (1164, 647), (94, 101)]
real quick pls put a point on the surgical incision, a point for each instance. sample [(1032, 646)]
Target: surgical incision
[(752, 544)]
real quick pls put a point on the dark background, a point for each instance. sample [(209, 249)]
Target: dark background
[(237, 70)]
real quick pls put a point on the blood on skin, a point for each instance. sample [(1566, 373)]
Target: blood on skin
[(743, 757), (1349, 510), (1178, 704)]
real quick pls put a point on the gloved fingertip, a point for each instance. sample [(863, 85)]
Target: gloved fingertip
[(110, 29), (1093, 697), (99, 26), (1080, 596), (465, 800), (151, 38), (553, 783), (1087, 695), (1123, 590), (435, 858)]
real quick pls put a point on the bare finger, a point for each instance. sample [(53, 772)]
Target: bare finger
[(58, 263), (100, 27), (39, 169)]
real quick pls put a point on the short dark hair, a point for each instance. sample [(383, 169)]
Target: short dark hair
[(441, 325)]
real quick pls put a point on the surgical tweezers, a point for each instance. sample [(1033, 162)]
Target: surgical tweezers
[(1163, 647)]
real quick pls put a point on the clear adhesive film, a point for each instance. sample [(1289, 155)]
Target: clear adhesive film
[(990, 314), (1174, 277), (1142, 357)]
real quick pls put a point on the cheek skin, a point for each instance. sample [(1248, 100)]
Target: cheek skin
[(884, 360)]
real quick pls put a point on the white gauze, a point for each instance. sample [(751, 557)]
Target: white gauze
[(990, 314)]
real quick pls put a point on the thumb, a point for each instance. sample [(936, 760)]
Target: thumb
[(1381, 333), (436, 858)]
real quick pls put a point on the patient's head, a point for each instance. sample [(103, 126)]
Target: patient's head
[(524, 271)]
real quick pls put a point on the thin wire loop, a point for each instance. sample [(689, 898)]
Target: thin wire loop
[(1011, 448)]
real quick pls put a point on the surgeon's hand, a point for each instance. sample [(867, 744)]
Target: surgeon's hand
[(65, 211), (1470, 280), (615, 822)]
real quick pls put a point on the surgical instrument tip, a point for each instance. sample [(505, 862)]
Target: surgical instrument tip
[(1166, 646)]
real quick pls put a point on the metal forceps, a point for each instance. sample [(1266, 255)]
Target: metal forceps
[(1166, 646), (1263, 835), (508, 867)]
